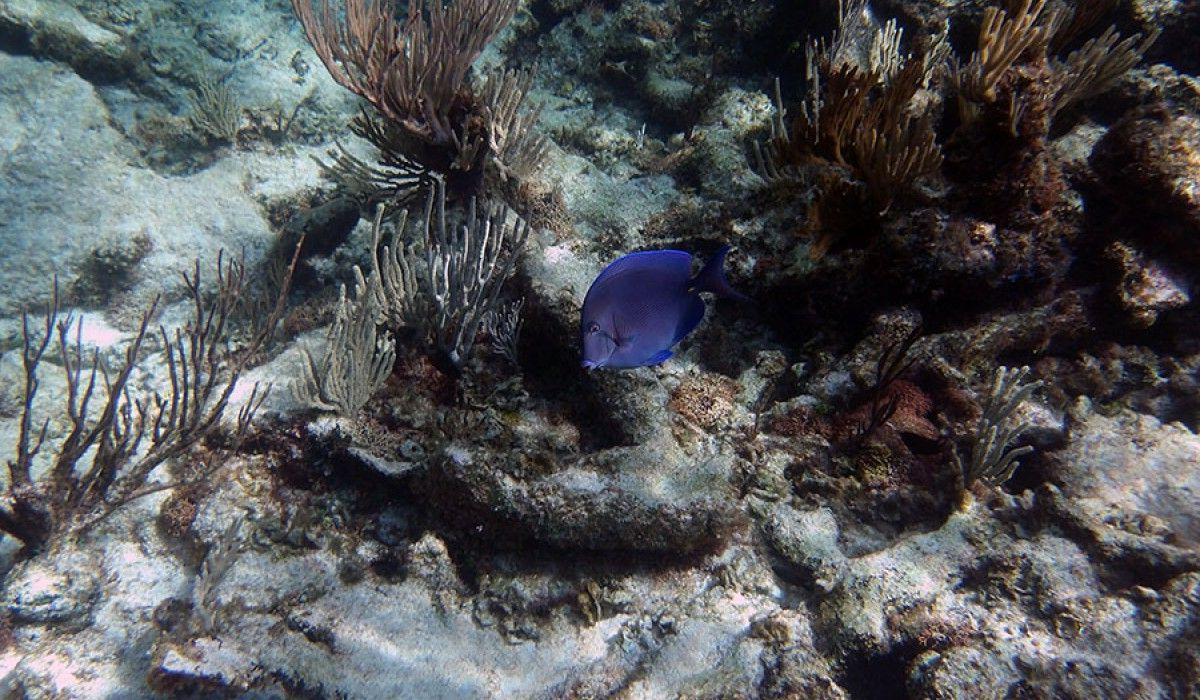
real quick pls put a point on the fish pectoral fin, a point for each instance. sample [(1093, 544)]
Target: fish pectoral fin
[(660, 357)]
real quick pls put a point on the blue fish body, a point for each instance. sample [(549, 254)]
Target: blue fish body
[(642, 304)]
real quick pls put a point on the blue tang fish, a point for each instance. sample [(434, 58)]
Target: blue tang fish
[(644, 303)]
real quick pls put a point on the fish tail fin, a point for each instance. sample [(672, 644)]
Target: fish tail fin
[(712, 278)]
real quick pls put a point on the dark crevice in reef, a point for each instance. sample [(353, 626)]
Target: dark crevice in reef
[(322, 229), (94, 66), (838, 297), (1031, 472), (15, 39), (879, 676), (478, 554), (325, 227), (866, 674), (799, 312), (774, 50), (548, 16), (1176, 47), (551, 370)]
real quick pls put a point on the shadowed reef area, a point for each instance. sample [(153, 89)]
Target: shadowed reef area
[(291, 395)]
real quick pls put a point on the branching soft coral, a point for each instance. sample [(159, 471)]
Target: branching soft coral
[(990, 457), (1027, 37), (451, 288), (1009, 95), (358, 356), (414, 74), (116, 436), (858, 114), (1095, 66), (1003, 39), (861, 119), (859, 111)]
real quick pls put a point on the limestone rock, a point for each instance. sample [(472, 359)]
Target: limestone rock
[(1147, 287), (1150, 162), (58, 590), (1129, 466)]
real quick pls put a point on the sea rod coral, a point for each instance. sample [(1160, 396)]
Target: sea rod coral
[(107, 456)]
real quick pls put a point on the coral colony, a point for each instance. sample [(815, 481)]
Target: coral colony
[(599, 348)]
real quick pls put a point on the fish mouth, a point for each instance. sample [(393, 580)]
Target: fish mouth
[(591, 365)]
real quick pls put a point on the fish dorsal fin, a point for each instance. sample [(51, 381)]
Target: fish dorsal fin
[(675, 262)]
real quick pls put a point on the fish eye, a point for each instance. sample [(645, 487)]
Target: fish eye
[(593, 327)]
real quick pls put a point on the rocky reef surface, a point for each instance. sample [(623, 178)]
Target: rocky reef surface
[(792, 506)]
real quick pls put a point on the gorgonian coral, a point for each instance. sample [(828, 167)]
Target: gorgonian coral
[(424, 113)]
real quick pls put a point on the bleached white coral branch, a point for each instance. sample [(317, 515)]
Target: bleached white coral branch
[(466, 266), (451, 285)]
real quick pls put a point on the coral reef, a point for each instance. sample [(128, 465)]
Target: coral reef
[(948, 449)]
